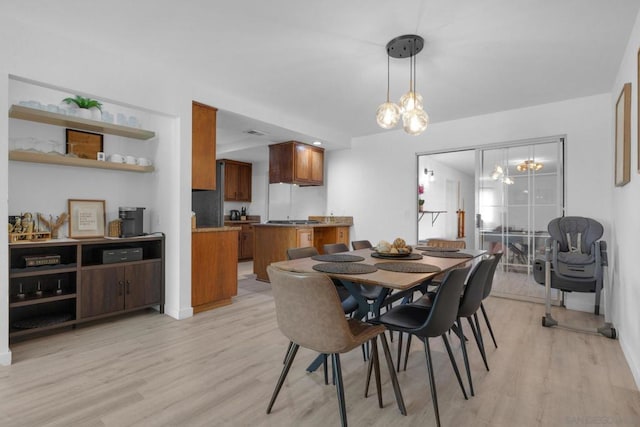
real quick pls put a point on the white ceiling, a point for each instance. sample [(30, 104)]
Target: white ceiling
[(325, 62)]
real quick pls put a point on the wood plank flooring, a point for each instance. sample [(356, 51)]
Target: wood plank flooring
[(219, 369)]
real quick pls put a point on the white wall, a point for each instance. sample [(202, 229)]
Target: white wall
[(33, 53), (626, 229), (381, 195)]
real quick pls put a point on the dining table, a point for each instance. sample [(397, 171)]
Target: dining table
[(398, 275)]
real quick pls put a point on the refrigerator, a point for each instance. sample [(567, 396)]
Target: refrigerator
[(208, 205)]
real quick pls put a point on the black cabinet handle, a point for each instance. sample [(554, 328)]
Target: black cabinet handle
[(120, 287), (128, 287)]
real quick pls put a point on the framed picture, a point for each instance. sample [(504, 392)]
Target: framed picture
[(623, 137), (85, 145), (86, 218)]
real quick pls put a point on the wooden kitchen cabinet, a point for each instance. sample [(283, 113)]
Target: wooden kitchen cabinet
[(237, 181), (342, 236), (214, 268), (296, 163), (245, 242), (304, 237), (203, 146), (107, 289)]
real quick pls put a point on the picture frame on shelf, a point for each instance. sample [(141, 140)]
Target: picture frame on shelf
[(86, 218), (623, 137), (85, 145)]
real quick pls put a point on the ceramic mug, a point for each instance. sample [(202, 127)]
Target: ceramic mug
[(143, 161), (130, 160), (116, 158)]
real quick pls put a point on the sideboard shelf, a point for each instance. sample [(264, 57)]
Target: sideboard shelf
[(86, 287), (56, 159), (41, 116)]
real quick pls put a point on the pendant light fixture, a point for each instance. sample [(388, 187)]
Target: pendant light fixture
[(414, 119)]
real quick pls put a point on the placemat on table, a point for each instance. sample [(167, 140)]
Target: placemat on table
[(407, 267), (337, 258), (412, 256), (441, 254), (345, 268), (435, 248)]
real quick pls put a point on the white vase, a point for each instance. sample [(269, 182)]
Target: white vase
[(96, 114), (83, 113)]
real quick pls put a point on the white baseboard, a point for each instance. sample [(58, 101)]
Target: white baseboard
[(633, 364), (5, 358), (179, 314)]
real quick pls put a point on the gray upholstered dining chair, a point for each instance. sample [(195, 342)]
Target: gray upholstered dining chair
[(321, 326)]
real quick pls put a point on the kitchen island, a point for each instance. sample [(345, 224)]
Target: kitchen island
[(214, 267), (273, 239)]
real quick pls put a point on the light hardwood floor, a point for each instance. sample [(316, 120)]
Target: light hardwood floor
[(219, 369)]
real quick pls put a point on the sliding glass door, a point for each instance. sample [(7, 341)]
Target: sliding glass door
[(519, 190)]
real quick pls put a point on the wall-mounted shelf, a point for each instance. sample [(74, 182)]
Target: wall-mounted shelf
[(41, 116), (434, 215), (56, 159)]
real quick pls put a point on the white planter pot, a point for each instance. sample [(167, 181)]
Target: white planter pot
[(83, 113), (96, 114)]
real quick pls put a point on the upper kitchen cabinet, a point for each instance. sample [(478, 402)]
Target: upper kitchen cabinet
[(237, 181), (203, 147), (296, 163)]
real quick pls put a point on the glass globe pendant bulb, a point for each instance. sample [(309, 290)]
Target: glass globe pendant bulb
[(415, 121), (410, 100), (388, 115)]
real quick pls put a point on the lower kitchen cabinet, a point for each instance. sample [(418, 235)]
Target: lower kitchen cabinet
[(53, 284), (106, 290), (304, 237), (214, 267), (273, 240), (245, 242)]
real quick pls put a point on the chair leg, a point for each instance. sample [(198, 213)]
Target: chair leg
[(392, 374), (479, 342), (366, 384), (337, 371), (486, 319), (291, 354), (406, 353), (326, 374), (400, 334), (465, 356), (287, 353), (454, 365), (376, 369), (432, 382)]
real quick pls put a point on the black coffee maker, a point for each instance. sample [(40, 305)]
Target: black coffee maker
[(131, 221)]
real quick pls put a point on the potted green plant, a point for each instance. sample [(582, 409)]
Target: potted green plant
[(86, 108)]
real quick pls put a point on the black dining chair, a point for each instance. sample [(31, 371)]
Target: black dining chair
[(487, 292), (430, 322), (469, 304)]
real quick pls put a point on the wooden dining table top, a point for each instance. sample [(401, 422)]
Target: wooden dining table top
[(387, 279)]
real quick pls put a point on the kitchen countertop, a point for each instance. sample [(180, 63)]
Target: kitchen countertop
[(214, 229), (246, 221)]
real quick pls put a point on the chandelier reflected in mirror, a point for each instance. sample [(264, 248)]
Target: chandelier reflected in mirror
[(414, 119), (529, 165)]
